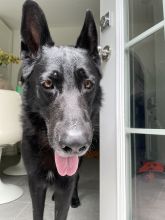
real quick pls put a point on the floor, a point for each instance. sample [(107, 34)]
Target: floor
[(88, 192), (149, 196)]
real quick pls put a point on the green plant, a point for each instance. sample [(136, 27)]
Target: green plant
[(6, 58)]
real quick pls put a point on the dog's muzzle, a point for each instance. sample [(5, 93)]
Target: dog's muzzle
[(75, 141)]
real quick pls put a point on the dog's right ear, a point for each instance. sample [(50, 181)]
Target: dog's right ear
[(88, 38), (34, 29)]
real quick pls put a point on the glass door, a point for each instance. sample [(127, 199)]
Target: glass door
[(145, 108)]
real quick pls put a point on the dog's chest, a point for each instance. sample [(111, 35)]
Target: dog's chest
[(50, 177), (47, 165), (47, 159)]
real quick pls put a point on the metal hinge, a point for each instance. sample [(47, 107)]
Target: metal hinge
[(106, 21)]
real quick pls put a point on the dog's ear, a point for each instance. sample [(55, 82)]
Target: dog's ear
[(34, 29), (88, 38)]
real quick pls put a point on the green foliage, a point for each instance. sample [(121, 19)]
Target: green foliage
[(6, 58)]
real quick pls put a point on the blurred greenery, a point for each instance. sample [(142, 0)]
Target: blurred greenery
[(6, 58)]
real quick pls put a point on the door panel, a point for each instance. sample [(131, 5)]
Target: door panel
[(148, 181), (145, 100), (108, 166), (147, 79), (143, 14)]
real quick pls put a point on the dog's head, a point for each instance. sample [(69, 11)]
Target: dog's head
[(61, 83)]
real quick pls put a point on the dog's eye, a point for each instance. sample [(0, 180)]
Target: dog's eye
[(88, 84), (48, 84), (81, 72)]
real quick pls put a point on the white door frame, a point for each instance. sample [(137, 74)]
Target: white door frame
[(124, 211), (113, 155), (120, 114)]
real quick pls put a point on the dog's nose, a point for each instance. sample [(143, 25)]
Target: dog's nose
[(77, 150), (74, 141)]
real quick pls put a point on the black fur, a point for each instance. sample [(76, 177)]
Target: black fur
[(48, 114)]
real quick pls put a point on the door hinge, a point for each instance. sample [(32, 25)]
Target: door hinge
[(106, 21)]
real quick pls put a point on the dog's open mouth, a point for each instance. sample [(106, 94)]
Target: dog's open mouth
[(66, 165)]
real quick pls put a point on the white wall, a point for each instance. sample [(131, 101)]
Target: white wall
[(61, 36), (6, 45)]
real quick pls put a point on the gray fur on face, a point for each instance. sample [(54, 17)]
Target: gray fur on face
[(56, 58), (64, 59)]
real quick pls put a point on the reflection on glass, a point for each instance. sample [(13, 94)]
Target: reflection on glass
[(143, 14), (147, 82), (148, 177)]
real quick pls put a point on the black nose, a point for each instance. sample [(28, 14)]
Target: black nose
[(74, 149), (74, 141)]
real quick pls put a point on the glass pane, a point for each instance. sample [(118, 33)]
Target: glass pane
[(143, 14), (147, 82), (148, 177)]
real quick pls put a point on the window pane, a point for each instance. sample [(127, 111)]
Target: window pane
[(148, 178), (143, 14), (147, 82)]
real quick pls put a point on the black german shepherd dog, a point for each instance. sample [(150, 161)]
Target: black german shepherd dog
[(61, 96)]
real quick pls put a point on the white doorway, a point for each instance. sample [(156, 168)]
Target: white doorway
[(145, 60), (132, 119)]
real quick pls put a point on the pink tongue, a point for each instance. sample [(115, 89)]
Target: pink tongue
[(66, 165)]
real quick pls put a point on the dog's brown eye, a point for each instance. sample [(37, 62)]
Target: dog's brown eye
[(47, 84), (88, 84)]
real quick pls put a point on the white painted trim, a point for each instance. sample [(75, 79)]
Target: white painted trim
[(145, 131), (120, 130), (145, 34), (5, 25), (164, 9), (164, 16)]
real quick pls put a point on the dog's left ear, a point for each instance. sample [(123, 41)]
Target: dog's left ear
[(88, 38)]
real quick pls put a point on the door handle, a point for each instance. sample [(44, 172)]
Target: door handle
[(105, 53)]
